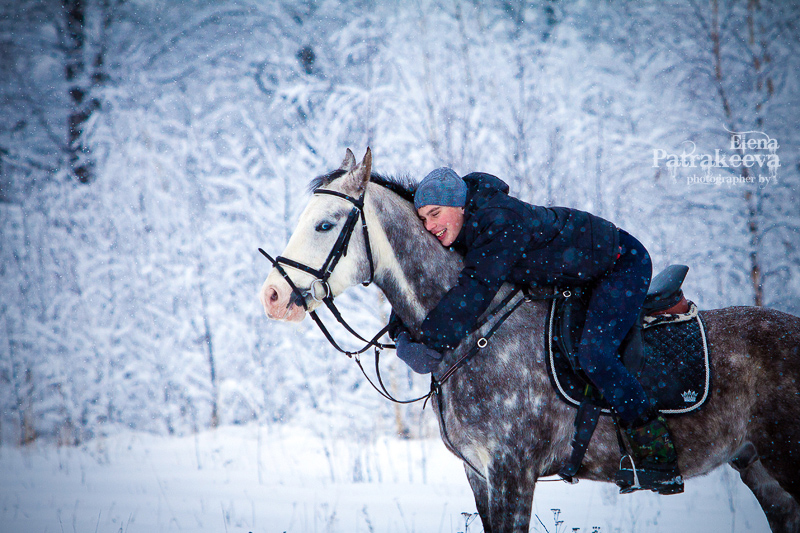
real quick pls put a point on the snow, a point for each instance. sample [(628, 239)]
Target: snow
[(285, 478)]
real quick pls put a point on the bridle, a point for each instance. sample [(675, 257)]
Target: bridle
[(322, 274)]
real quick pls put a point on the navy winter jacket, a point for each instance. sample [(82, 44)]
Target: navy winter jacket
[(504, 239)]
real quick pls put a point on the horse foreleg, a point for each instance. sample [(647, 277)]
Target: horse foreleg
[(781, 509), (480, 492), (510, 496)]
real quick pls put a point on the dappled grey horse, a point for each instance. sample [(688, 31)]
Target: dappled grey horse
[(499, 412)]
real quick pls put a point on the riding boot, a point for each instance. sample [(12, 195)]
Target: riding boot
[(654, 461)]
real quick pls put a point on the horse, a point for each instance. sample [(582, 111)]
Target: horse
[(498, 412)]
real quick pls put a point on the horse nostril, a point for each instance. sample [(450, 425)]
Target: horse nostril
[(296, 299), (273, 295)]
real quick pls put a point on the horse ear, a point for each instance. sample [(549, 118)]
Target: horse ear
[(349, 162), (360, 175)]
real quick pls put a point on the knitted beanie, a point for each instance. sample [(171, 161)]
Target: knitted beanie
[(441, 187)]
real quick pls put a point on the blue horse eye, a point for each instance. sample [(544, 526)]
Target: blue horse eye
[(324, 226)]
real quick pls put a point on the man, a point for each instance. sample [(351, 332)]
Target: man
[(504, 239)]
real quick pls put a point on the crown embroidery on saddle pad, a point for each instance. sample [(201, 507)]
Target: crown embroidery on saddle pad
[(689, 396)]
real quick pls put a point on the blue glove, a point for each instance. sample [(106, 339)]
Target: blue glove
[(419, 357)]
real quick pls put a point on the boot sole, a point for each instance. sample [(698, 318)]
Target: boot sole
[(657, 481)]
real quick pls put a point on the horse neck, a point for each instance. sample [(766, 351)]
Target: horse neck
[(412, 269)]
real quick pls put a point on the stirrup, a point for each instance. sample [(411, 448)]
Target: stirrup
[(663, 479)]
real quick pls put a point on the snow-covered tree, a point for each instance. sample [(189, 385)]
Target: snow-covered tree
[(148, 148)]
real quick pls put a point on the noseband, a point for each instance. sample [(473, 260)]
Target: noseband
[(322, 275)]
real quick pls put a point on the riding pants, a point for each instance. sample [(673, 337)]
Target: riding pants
[(614, 307)]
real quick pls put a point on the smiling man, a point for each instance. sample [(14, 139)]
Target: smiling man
[(440, 200), (504, 239)]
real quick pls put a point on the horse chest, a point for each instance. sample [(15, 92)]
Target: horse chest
[(487, 416)]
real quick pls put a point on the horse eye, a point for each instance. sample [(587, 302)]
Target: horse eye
[(324, 226)]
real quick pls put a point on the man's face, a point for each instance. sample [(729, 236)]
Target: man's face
[(443, 221)]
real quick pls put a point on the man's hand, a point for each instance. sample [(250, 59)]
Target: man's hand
[(419, 357), (395, 326)]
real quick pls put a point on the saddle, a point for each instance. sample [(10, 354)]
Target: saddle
[(666, 350)]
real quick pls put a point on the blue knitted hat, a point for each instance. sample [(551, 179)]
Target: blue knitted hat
[(441, 187)]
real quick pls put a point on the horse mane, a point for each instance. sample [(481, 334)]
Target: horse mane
[(404, 186)]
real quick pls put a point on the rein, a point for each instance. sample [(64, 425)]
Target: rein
[(322, 275), (484, 340)]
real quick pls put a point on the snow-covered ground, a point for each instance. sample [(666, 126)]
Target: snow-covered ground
[(288, 479)]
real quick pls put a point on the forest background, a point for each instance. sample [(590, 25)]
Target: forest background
[(148, 148)]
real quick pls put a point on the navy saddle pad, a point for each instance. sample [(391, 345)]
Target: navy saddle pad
[(675, 371)]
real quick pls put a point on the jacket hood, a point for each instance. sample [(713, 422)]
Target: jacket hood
[(480, 187), (479, 182)]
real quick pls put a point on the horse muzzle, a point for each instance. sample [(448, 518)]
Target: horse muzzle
[(281, 303)]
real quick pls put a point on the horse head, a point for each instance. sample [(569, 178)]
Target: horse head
[(409, 265), (316, 259)]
